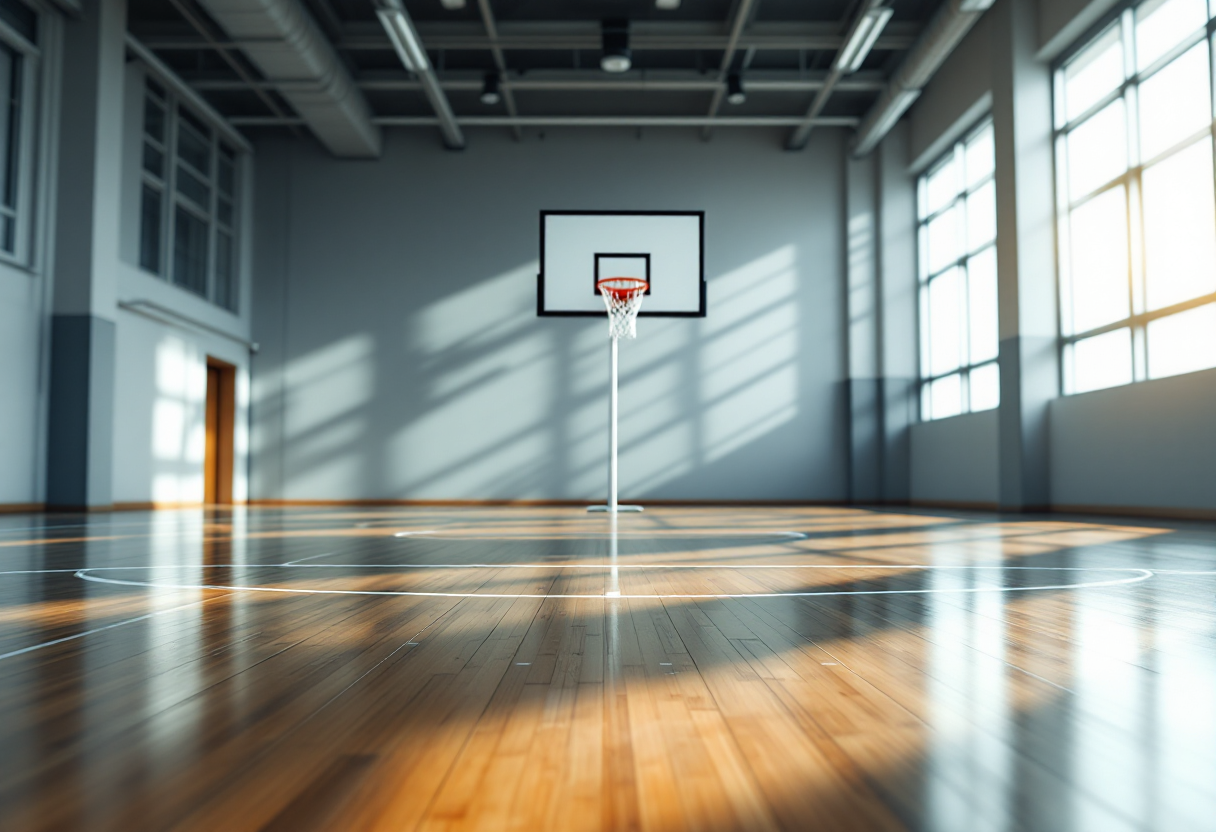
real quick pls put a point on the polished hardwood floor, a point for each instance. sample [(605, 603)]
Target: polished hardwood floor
[(531, 668)]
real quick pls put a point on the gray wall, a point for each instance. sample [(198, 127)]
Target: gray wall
[(1150, 445), (955, 460), (402, 356)]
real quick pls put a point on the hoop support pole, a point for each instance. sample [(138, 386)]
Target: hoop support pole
[(612, 421)]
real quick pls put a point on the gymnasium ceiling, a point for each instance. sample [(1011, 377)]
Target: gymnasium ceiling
[(783, 49)]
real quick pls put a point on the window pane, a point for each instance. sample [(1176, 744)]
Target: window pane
[(985, 387), (980, 157), (22, 18), (1176, 102), (189, 251), (224, 212), (1094, 73), (154, 161), (193, 145), (225, 285), (227, 173), (946, 397), (1182, 343), (944, 323), (149, 229), (944, 244), (925, 367), (1163, 24), (981, 300), (1103, 361), (154, 118), (943, 186), (191, 186), (981, 217), (1180, 227), (8, 234), (1097, 150), (1099, 279), (10, 124)]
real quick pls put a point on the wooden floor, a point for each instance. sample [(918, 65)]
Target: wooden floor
[(441, 669)]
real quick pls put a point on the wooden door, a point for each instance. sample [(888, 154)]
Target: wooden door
[(221, 416)]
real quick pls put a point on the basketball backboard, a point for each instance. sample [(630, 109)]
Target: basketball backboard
[(664, 248)]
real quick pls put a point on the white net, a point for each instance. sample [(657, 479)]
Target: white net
[(623, 297)]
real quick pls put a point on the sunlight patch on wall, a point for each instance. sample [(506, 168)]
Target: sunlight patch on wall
[(482, 314), (749, 378), (656, 458), (179, 428), (240, 438), (589, 360), (487, 391), (328, 383)]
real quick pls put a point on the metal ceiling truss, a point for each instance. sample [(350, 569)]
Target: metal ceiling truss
[(574, 36), (571, 121), (500, 61), (579, 81), (738, 42)]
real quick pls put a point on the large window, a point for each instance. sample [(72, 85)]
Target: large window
[(18, 70), (1136, 198), (188, 201), (958, 307)]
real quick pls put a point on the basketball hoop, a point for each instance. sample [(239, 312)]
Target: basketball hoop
[(623, 297)]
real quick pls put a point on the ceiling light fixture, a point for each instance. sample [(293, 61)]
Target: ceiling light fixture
[(734, 89), (452, 5), (667, 5), (405, 39), (617, 56), (861, 40), (489, 89)]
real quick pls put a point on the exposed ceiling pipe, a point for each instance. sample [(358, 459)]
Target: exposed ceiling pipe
[(400, 29), (871, 18), (284, 42), (948, 27)]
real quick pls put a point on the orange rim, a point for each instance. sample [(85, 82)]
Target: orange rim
[(632, 286)]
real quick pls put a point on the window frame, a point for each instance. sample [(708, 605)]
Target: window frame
[(1123, 19), (29, 114), (925, 276), (172, 198)]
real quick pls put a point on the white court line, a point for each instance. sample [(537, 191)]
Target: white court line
[(301, 560), (75, 636), (1184, 572), (627, 535), (1140, 575)]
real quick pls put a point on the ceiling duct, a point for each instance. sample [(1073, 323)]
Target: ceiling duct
[(285, 44), (948, 27)]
